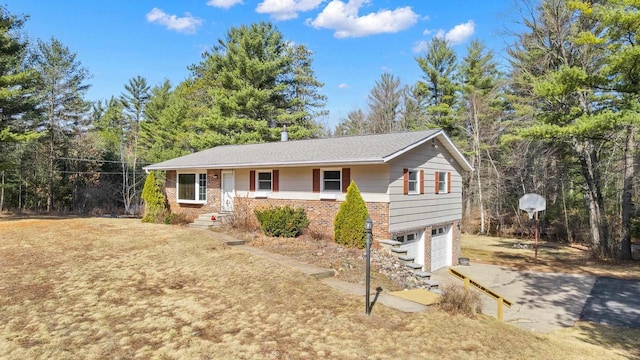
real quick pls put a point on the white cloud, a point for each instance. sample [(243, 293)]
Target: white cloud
[(420, 46), (343, 86), (187, 24), (460, 33), (457, 35), (286, 9), (344, 19), (224, 4)]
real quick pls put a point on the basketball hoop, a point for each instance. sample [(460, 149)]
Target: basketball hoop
[(531, 212), (532, 203)]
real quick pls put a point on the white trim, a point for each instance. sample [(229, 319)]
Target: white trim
[(322, 189), (416, 189), (304, 195), (197, 187), (257, 180)]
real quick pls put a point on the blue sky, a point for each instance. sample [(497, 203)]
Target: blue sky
[(354, 41)]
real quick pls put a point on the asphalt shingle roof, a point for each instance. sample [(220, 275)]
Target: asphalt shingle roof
[(365, 149)]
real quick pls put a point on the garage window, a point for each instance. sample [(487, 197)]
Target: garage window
[(407, 237)]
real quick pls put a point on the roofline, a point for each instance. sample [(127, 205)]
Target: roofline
[(260, 165), (451, 146)]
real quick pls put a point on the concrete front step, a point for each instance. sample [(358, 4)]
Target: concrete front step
[(414, 266), (406, 258), (399, 251), (431, 284), (422, 274), (204, 220)]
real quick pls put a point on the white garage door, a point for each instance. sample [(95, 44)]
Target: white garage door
[(440, 247)]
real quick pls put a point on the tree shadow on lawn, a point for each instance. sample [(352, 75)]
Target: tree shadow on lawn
[(611, 337)]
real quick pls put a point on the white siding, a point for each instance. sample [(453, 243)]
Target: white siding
[(421, 210), (296, 183)]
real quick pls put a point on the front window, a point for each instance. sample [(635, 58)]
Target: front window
[(331, 180), (192, 187), (264, 181), (413, 182)]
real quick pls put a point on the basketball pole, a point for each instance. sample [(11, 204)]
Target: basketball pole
[(536, 244)]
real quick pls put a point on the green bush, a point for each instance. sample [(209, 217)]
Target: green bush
[(282, 221), (154, 200), (349, 222)]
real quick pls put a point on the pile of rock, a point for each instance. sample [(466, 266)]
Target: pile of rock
[(396, 270)]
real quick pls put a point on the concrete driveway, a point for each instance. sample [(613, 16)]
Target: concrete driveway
[(543, 302), (614, 302)]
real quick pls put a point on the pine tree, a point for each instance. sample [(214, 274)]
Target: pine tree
[(349, 221), (60, 93), (439, 86)]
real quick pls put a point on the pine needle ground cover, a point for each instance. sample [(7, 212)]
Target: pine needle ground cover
[(116, 288)]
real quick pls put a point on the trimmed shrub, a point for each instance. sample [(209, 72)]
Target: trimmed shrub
[(154, 200), (282, 221), (458, 300), (349, 222)]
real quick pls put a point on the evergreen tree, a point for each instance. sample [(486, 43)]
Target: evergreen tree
[(440, 86), (134, 101), (163, 133), (249, 86), (481, 94), (349, 221), (154, 199), (558, 80), (17, 104), (384, 105), (354, 124), (61, 87)]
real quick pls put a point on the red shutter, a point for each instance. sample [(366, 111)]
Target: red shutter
[(316, 180), (421, 181), (275, 184), (252, 180), (346, 179), (405, 181), (437, 182), (449, 182)]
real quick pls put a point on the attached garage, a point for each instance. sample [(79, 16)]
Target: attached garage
[(413, 243), (441, 247)]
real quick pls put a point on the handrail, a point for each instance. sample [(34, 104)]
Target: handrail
[(468, 281)]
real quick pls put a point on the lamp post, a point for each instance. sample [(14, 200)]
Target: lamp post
[(368, 226)]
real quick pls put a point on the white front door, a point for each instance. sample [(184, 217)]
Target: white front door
[(440, 247), (228, 188)]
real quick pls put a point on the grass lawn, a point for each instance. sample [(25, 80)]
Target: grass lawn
[(115, 288), (555, 257)]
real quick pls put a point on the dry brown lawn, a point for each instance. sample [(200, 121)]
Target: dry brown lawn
[(114, 288), (552, 257)]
